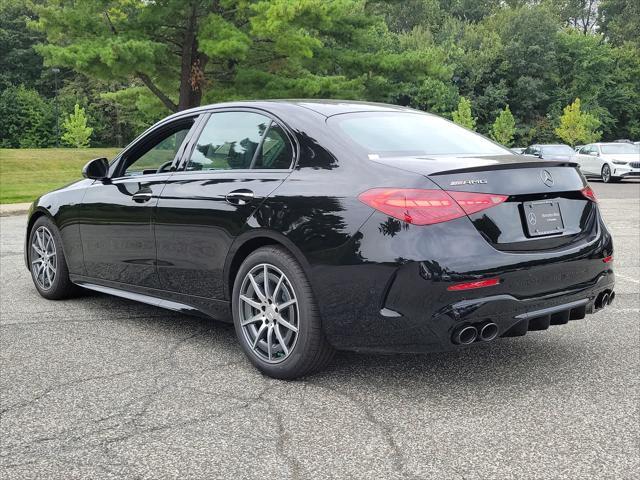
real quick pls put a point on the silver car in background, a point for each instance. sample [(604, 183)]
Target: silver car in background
[(609, 161)]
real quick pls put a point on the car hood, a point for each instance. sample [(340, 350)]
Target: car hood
[(625, 157), (429, 165)]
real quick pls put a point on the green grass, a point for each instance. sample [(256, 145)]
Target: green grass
[(29, 172)]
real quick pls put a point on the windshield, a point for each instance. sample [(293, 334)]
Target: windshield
[(386, 134), (558, 150), (620, 148)]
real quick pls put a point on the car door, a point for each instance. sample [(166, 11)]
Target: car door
[(230, 167), (579, 158), (116, 229), (597, 159), (585, 158)]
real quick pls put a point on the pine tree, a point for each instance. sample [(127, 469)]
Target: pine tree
[(76, 132), (577, 126), (504, 128), (462, 116)]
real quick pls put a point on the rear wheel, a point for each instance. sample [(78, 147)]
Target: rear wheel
[(276, 317), (47, 262)]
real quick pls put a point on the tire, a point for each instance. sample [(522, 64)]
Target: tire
[(52, 279), (297, 345), (605, 174)]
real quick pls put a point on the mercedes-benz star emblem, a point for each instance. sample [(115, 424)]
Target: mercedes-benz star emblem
[(547, 178), (532, 218)]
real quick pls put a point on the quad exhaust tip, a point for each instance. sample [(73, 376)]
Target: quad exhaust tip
[(465, 335), (488, 332), (468, 334), (604, 299)]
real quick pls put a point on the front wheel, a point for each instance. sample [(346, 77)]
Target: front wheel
[(606, 174), (276, 317), (47, 262)]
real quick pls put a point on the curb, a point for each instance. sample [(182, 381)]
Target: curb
[(9, 209)]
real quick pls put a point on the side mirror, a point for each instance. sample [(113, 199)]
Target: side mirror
[(96, 169), (539, 155)]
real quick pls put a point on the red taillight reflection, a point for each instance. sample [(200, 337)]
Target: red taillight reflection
[(426, 207), (608, 259), (489, 282), (589, 194)]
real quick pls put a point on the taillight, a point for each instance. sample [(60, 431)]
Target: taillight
[(426, 207), (474, 202), (608, 259), (589, 194), (489, 282)]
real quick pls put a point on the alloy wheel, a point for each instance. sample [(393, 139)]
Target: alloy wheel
[(269, 314), (44, 259), (606, 174)]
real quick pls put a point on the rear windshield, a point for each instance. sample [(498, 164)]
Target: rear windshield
[(387, 134), (558, 150), (620, 148)]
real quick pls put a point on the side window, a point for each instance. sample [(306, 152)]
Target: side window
[(229, 141), (276, 150), (158, 153)]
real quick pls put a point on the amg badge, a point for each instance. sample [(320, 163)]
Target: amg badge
[(475, 181)]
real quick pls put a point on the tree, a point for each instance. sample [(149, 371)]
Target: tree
[(462, 116), (620, 21), (19, 63), (179, 50), (26, 119), (577, 126), (504, 128), (76, 133)]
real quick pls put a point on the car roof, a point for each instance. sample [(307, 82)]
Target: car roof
[(325, 108)]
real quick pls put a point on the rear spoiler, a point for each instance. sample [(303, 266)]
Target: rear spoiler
[(508, 166)]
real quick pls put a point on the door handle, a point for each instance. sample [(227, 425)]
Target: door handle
[(239, 197), (142, 196)]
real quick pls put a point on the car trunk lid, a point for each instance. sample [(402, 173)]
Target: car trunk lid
[(545, 208)]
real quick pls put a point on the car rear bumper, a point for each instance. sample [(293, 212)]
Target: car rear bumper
[(399, 303)]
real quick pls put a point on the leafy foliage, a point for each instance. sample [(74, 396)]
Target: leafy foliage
[(17, 47), (130, 62), (577, 126), (76, 132), (462, 116), (26, 119), (504, 128)]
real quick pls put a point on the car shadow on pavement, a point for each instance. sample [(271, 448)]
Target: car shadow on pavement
[(535, 358)]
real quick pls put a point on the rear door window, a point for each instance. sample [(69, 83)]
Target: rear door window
[(276, 151), (241, 141)]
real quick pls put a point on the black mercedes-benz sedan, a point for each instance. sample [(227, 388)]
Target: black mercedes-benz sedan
[(322, 225)]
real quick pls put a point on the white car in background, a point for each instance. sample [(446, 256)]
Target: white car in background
[(610, 161)]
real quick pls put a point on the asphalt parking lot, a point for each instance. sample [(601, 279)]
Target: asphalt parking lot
[(100, 387)]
